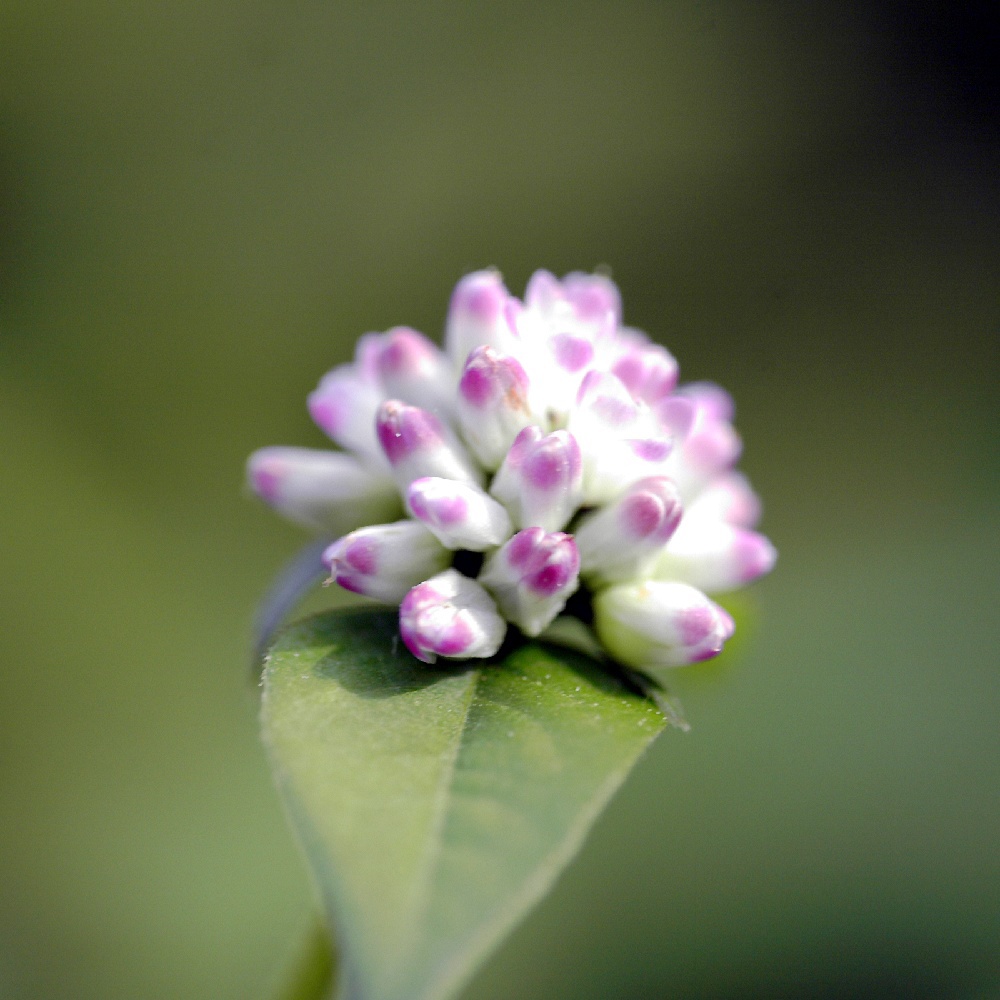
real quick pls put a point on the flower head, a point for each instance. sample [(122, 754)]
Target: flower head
[(547, 452)]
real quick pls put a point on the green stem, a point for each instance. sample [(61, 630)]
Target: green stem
[(313, 973)]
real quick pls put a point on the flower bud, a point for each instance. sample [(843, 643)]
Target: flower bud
[(711, 400), (620, 438), (594, 297), (460, 516), (492, 404), (532, 576), (343, 405), (648, 372), (366, 352), (540, 480), (714, 556), (675, 414), (414, 371), (566, 329), (417, 444), (325, 491), (589, 300), (652, 623), (618, 542), (450, 615), (385, 560), (506, 485), (479, 316), (728, 498), (711, 446)]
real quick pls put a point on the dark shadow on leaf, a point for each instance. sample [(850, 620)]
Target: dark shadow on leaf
[(367, 655)]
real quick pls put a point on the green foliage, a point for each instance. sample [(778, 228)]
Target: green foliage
[(436, 806)]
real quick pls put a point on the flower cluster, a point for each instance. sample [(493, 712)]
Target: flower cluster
[(546, 452)]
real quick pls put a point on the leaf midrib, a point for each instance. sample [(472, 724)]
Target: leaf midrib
[(419, 897)]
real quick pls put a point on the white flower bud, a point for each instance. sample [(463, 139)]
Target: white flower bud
[(620, 541), (450, 615), (479, 316), (413, 370), (417, 444), (532, 576), (325, 491), (620, 438), (343, 405), (385, 560), (540, 479), (459, 515), (714, 556), (492, 404), (654, 624)]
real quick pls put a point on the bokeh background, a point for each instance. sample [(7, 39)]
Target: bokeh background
[(203, 204)]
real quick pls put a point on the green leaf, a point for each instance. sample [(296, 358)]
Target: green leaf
[(436, 807)]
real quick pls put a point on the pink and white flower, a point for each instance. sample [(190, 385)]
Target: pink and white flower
[(546, 453)]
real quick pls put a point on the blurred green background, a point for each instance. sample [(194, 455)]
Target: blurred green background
[(202, 205)]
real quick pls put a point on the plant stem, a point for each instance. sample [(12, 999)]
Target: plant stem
[(315, 967)]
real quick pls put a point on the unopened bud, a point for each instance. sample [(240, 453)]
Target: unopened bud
[(450, 615), (385, 560)]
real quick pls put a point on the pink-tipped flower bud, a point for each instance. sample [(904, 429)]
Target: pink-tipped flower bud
[(711, 446), (675, 414), (540, 480), (413, 370), (594, 297), (460, 516), (325, 491), (532, 576), (649, 372), (385, 560), (566, 329), (492, 404), (714, 556), (479, 315), (621, 439), (343, 405), (590, 300), (450, 615), (728, 498), (417, 444), (649, 624), (622, 540), (711, 400), (506, 483)]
